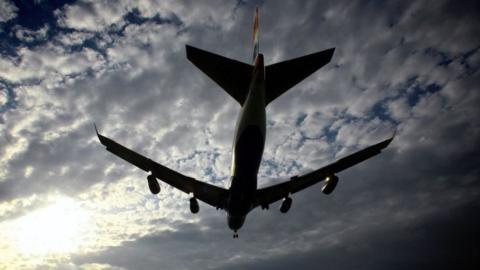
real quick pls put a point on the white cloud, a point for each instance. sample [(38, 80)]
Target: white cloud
[(26, 35), (8, 10), (73, 38), (98, 266), (50, 63), (28, 171), (399, 109), (99, 15), (3, 97), (92, 15)]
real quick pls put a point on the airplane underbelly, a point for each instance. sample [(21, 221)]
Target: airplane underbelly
[(248, 153)]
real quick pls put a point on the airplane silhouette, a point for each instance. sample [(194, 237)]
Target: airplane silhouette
[(253, 87)]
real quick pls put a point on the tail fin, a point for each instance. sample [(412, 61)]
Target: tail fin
[(256, 46)]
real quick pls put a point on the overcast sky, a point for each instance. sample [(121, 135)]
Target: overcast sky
[(66, 203)]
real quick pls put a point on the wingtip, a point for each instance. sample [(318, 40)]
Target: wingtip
[(330, 53), (394, 134), (95, 126), (98, 134), (188, 51), (389, 140)]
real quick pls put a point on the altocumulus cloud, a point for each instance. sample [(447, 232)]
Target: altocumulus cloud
[(407, 65)]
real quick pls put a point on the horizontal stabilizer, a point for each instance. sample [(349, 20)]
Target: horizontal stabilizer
[(232, 75), (282, 76)]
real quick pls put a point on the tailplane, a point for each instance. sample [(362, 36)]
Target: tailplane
[(284, 75), (235, 76), (232, 75)]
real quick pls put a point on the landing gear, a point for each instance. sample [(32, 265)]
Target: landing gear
[(235, 234)]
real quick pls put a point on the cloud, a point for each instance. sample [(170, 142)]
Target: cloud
[(100, 15), (3, 97), (407, 66), (389, 246), (8, 10), (90, 15), (28, 36)]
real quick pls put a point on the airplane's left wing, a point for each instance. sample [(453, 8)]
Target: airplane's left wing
[(210, 194), (268, 195)]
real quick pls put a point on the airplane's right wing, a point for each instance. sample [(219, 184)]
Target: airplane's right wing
[(268, 195), (210, 194)]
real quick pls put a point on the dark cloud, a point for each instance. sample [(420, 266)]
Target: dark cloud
[(445, 241)]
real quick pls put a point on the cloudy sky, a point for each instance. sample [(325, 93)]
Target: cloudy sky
[(66, 203)]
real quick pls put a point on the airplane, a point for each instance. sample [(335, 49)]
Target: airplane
[(253, 86)]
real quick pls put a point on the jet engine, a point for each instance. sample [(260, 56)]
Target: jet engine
[(330, 184), (286, 204), (153, 184), (194, 205)]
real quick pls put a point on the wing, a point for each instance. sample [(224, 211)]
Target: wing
[(268, 195), (210, 194)]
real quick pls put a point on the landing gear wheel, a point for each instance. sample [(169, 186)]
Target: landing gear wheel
[(235, 234)]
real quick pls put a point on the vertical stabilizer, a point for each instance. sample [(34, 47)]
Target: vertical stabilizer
[(255, 35)]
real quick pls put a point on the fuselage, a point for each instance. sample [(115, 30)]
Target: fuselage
[(248, 145)]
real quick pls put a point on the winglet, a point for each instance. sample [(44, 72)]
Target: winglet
[(386, 142), (394, 133), (95, 126), (100, 137)]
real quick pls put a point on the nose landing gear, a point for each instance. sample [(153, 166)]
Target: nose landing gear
[(235, 234)]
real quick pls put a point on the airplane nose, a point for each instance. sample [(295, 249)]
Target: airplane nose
[(235, 222)]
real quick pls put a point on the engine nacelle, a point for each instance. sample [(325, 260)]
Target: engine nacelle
[(330, 184), (153, 184), (194, 208), (286, 204)]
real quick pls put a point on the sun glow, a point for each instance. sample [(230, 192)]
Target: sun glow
[(55, 229)]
